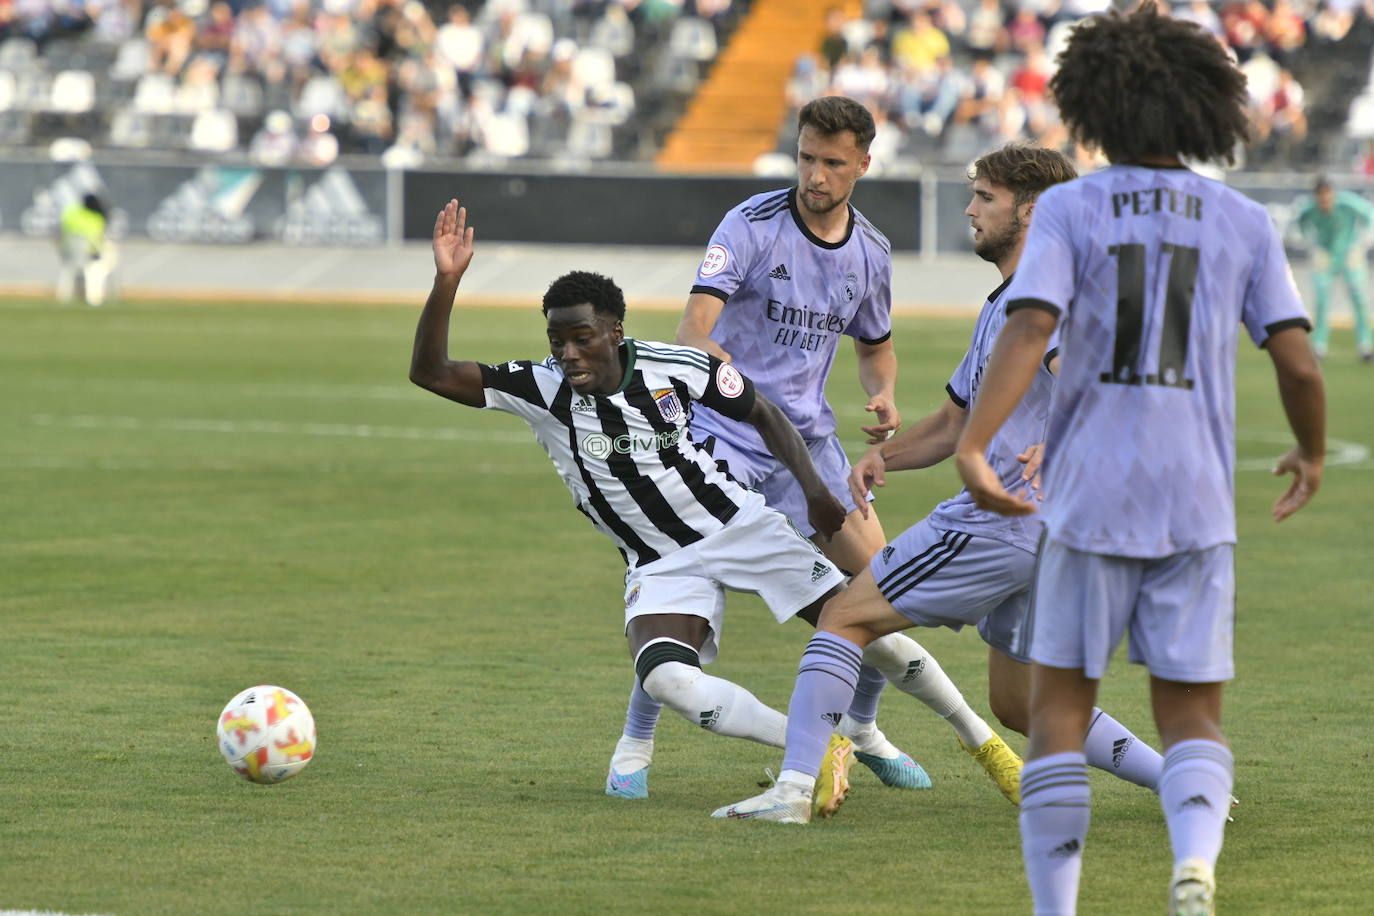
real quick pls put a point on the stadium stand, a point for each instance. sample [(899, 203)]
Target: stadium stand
[(690, 84)]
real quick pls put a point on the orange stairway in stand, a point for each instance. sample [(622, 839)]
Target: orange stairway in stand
[(736, 114)]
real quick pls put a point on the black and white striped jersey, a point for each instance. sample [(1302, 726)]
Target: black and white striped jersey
[(627, 457)]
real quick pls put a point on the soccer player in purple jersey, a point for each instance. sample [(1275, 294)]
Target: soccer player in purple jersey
[(1149, 270), (611, 413), (786, 275), (960, 565)]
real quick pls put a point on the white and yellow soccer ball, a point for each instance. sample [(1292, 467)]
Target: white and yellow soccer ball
[(266, 734)]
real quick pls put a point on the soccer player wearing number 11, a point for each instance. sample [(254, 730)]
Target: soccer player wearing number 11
[(1149, 270)]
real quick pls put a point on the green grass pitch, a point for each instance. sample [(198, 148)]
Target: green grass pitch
[(196, 499)]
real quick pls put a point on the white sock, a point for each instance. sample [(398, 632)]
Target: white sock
[(1054, 827), (1111, 746), (715, 704), (632, 754), (1195, 793), (907, 664), (795, 781)]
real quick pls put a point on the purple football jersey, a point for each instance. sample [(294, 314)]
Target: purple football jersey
[(1152, 272), (1024, 428), (789, 296)]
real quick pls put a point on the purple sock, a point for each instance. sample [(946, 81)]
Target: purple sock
[(864, 709), (826, 678), (641, 718)]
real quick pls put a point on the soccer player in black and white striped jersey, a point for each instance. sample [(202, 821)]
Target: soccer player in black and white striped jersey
[(611, 412)]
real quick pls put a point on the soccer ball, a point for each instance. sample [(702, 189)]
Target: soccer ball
[(266, 734)]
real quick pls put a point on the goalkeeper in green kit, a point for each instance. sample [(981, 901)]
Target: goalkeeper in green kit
[(1334, 223)]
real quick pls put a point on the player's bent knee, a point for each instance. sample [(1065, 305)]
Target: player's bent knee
[(667, 669), (1011, 712)]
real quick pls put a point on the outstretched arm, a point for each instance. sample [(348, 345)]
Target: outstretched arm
[(1010, 370), (430, 367), (825, 512), (1304, 402), (698, 321), (878, 376)]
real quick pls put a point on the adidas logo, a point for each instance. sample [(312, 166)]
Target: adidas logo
[(584, 404), (332, 210), (1065, 850), (913, 670), (709, 717), (1119, 748), (832, 717), (779, 273), (211, 206), (818, 572), (1194, 802)]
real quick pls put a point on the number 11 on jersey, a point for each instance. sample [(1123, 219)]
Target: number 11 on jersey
[(1130, 317)]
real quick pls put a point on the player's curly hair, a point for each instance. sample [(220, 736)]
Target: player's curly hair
[(834, 113), (1024, 169), (580, 287), (1140, 84)]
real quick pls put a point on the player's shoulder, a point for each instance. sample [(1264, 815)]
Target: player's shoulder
[(669, 358), (763, 207), (864, 226)]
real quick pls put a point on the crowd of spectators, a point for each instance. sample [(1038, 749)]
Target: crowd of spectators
[(948, 78), (407, 80), (401, 79)]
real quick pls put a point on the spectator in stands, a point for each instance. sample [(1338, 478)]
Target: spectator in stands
[(275, 143), (981, 98), (199, 88), (215, 32), (298, 53), (863, 78), (1244, 22), (985, 33), (1201, 14), (320, 147), (460, 43), (1283, 114), (256, 46), (920, 43), (1284, 32), (834, 46), (928, 98), (370, 118), (1025, 31), (171, 34)]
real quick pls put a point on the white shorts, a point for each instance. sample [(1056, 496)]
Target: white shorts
[(759, 552), (1180, 611), (936, 577)]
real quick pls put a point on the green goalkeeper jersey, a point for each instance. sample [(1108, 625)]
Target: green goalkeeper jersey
[(1337, 230)]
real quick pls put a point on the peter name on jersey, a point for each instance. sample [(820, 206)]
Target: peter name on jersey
[(801, 327), (1156, 200)]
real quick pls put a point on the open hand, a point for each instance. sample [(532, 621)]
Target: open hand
[(889, 420), (452, 240), (1307, 477), (986, 488)]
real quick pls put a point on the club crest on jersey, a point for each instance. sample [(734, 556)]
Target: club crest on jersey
[(729, 381), (669, 405), (851, 286), (714, 262)]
